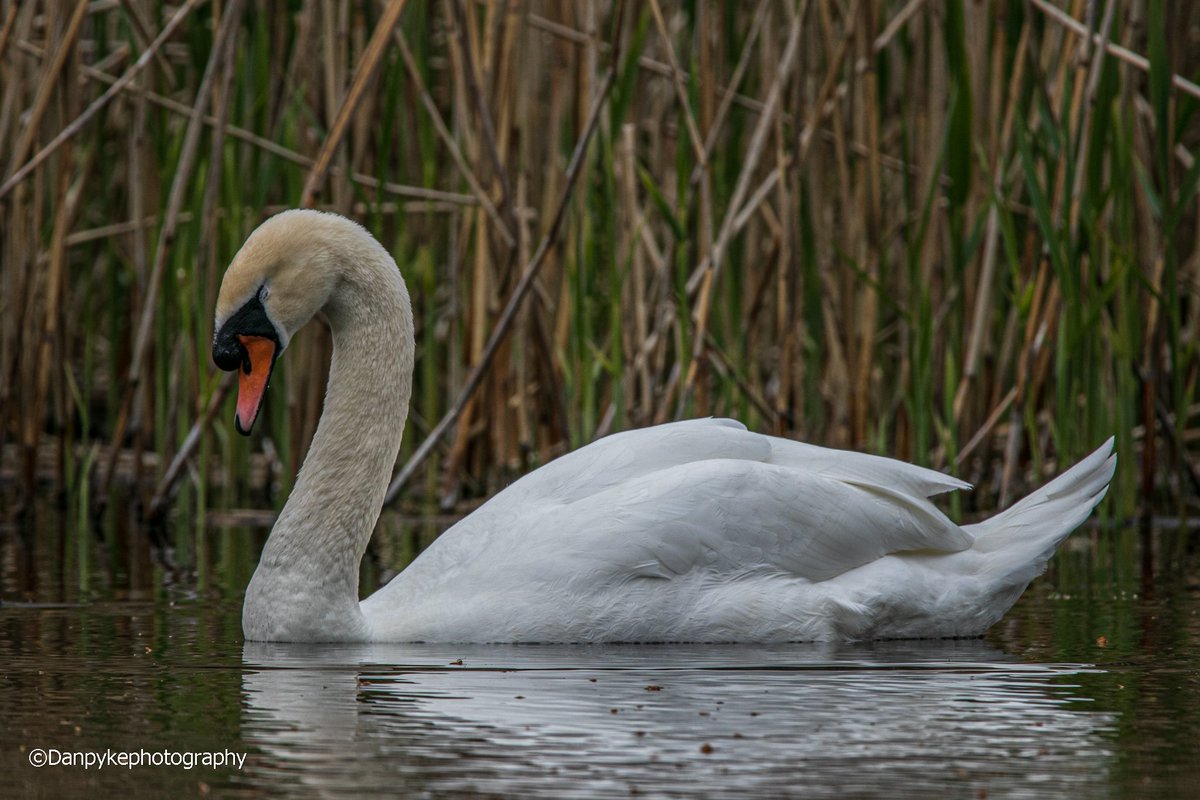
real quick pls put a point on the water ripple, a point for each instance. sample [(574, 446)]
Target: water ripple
[(664, 720)]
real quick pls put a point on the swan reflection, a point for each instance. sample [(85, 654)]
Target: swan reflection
[(817, 720)]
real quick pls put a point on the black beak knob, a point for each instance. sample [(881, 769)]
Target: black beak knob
[(250, 320), (227, 352)]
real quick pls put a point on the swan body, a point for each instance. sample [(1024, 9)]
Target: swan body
[(691, 531)]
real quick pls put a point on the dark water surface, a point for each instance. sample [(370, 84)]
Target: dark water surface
[(1089, 688)]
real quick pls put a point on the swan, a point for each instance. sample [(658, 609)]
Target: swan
[(697, 530)]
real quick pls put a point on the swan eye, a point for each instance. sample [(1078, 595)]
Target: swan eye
[(263, 293)]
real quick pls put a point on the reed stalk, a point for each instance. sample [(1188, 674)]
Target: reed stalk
[(960, 233)]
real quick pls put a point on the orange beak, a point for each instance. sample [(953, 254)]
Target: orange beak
[(253, 378)]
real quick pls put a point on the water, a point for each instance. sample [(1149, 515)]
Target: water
[(1089, 688)]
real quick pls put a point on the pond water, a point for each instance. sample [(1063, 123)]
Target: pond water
[(1089, 688)]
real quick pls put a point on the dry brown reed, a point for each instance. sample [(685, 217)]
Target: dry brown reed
[(960, 233)]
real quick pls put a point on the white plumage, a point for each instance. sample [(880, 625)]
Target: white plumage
[(704, 531), (690, 531)]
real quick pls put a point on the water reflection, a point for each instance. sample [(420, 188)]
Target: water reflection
[(819, 720), (1090, 687)]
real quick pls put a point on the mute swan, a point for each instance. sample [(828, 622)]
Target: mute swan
[(690, 531)]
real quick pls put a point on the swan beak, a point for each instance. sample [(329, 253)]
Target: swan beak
[(258, 363)]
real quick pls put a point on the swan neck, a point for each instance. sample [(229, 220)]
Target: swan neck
[(306, 584)]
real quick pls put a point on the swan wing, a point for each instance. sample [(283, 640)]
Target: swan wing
[(737, 518), (621, 457), (625, 456), (699, 495)]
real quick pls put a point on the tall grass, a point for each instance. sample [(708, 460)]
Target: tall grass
[(960, 233)]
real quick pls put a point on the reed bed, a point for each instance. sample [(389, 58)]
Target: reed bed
[(960, 233)]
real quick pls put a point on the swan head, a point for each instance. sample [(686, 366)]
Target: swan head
[(284, 274)]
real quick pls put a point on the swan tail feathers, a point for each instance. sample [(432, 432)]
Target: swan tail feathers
[(1017, 543)]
